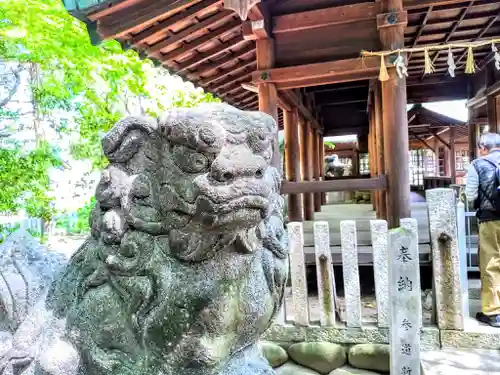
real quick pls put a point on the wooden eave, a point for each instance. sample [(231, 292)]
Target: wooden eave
[(424, 123), (205, 44)]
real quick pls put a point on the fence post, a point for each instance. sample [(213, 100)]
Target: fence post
[(300, 304), (462, 246), (405, 299), (352, 290), (379, 233), (441, 204), (325, 274)]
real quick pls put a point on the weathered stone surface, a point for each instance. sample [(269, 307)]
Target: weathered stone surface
[(473, 340), (293, 369), (319, 356), (275, 354), (373, 357), (348, 370), (405, 298), (380, 238), (187, 262), (27, 269), (324, 273), (298, 274), (429, 339), (441, 204), (350, 271)]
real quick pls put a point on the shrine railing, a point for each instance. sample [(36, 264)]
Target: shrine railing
[(398, 298)]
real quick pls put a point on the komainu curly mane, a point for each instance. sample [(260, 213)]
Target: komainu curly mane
[(187, 261)]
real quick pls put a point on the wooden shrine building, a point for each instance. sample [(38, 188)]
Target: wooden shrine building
[(299, 61)]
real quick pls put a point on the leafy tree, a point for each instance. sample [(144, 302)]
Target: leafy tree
[(330, 145), (82, 222), (97, 85)]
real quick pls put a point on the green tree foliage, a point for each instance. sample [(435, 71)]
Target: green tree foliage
[(96, 84), (330, 145), (82, 222)]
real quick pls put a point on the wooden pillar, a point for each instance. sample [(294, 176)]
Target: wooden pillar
[(322, 165), (292, 161), (355, 162), (473, 130), (376, 168), (316, 171), (268, 94), (305, 158), (436, 159), (371, 156), (391, 25), (379, 131), (493, 114), (453, 157)]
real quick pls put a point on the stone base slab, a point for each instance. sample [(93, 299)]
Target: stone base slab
[(430, 339)]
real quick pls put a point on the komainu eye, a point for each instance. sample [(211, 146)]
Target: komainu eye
[(189, 160)]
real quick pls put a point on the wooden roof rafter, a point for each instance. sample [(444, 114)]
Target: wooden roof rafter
[(139, 15), (454, 28), (203, 42)]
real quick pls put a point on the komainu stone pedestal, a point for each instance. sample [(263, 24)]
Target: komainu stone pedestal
[(187, 261)]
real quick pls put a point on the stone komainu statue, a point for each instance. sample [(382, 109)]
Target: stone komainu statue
[(187, 261)]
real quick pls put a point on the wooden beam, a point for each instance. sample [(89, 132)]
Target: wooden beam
[(163, 28), (377, 183), (186, 48), (423, 141), (339, 70), (141, 15), (199, 58), (324, 17), (155, 49), (292, 161), (253, 30), (292, 98), (438, 137), (415, 4)]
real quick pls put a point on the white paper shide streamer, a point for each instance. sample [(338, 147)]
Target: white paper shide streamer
[(451, 63), (496, 56), (401, 67)]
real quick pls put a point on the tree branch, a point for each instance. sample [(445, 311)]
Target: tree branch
[(17, 82)]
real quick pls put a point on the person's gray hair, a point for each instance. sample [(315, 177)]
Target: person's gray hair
[(490, 141)]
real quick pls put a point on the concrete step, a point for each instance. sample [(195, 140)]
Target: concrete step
[(365, 254), (362, 224), (363, 237)]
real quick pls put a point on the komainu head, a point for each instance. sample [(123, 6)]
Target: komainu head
[(190, 173)]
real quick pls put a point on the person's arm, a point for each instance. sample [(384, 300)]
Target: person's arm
[(472, 186)]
